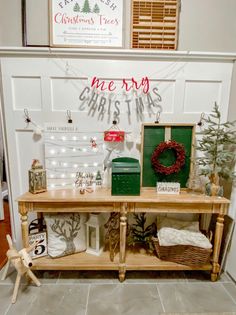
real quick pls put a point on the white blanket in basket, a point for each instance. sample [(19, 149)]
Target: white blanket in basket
[(170, 237)]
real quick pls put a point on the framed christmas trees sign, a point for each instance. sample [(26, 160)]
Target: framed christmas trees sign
[(86, 23)]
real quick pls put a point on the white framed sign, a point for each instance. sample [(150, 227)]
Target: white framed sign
[(86, 23), (170, 188)]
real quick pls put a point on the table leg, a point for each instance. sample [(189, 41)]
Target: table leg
[(24, 223), (217, 245), (123, 229)]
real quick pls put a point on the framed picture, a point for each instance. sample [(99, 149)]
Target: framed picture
[(86, 23)]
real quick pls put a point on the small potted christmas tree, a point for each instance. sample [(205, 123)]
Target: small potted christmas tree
[(141, 236), (217, 144)]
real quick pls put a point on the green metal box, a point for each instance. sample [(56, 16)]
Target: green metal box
[(125, 177)]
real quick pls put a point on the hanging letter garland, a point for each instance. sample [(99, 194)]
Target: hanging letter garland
[(180, 157)]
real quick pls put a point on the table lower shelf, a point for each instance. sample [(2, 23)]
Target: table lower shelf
[(134, 261), (138, 261)]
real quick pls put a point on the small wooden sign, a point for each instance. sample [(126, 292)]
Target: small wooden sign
[(114, 136), (168, 188), (41, 249)]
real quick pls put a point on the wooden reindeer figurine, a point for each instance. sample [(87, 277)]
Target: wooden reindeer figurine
[(22, 262)]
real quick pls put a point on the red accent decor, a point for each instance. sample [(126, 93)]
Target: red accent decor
[(180, 157), (114, 136), (127, 84)]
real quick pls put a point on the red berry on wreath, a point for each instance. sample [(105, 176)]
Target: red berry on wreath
[(179, 151)]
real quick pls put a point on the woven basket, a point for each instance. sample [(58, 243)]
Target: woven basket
[(183, 254)]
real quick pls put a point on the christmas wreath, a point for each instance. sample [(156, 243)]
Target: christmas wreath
[(179, 151)]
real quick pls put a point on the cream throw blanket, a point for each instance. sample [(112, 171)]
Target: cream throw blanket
[(177, 224), (170, 237)]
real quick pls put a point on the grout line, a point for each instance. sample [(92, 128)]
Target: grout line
[(65, 284), (7, 310), (86, 309), (160, 298), (231, 279), (229, 294)]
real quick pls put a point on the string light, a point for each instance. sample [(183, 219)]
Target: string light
[(67, 153)]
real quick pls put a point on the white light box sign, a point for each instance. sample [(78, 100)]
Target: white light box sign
[(73, 158)]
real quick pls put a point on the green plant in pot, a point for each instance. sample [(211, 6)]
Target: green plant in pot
[(140, 235), (218, 147)]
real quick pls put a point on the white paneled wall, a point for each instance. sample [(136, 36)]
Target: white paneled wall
[(49, 85)]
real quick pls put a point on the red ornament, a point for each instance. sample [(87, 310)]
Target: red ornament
[(179, 150), (93, 143)]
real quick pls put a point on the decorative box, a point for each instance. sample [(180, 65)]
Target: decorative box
[(125, 177), (37, 178)]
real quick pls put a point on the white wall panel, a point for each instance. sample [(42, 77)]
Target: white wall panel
[(65, 93), (23, 159), (200, 95), (26, 92), (49, 86), (167, 92)]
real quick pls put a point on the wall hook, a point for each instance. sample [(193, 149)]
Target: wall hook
[(200, 123), (27, 117), (158, 114), (69, 119), (37, 130)]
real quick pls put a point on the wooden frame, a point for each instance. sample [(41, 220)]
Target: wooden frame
[(109, 35), (102, 201), (150, 18), (166, 125)]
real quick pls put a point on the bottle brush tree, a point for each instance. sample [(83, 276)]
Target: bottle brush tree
[(76, 7), (140, 234), (86, 7), (96, 9), (218, 147)]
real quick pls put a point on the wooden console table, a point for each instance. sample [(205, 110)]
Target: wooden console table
[(102, 201)]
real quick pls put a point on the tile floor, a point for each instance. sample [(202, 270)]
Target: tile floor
[(95, 293)]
